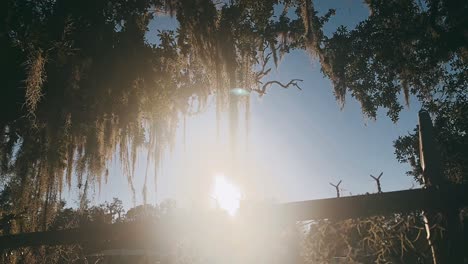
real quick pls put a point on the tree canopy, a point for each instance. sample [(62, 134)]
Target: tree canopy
[(81, 83)]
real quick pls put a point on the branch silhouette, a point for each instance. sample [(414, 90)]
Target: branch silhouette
[(293, 82), (337, 187), (377, 180)]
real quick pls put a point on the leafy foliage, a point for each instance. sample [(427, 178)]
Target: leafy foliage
[(408, 49), (450, 109), (403, 47)]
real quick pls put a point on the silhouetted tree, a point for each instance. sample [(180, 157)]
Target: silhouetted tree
[(404, 49)]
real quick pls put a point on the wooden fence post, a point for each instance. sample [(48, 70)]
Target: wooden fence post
[(446, 249)]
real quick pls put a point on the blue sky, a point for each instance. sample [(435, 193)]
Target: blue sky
[(298, 141)]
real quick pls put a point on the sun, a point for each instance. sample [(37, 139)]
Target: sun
[(226, 194)]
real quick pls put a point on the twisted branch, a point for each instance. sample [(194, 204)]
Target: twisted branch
[(293, 82), (264, 71)]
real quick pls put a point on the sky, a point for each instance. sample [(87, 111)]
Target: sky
[(298, 141)]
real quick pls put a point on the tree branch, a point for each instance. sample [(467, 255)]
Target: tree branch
[(377, 180), (263, 72), (337, 187), (293, 82)]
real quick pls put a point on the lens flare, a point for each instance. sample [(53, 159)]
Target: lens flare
[(240, 92), (226, 195)]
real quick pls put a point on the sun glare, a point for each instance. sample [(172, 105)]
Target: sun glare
[(226, 194)]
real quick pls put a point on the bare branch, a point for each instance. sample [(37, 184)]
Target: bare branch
[(377, 180), (293, 82), (337, 187), (263, 72)]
